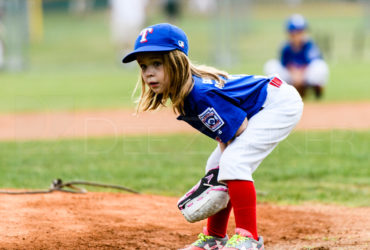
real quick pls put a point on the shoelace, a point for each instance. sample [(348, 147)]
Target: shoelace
[(236, 239), (202, 238)]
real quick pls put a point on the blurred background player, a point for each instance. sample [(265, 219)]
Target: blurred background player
[(127, 19), (172, 10), (301, 63)]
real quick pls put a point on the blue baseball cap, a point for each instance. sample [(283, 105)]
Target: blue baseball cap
[(296, 23), (159, 37)]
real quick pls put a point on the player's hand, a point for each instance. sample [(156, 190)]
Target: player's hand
[(205, 199), (297, 75)]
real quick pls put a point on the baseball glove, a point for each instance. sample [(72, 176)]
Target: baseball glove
[(205, 199)]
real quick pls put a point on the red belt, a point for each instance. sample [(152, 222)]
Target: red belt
[(276, 82)]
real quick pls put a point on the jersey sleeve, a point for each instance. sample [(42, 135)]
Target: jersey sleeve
[(220, 116)]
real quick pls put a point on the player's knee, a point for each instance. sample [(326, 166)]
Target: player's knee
[(273, 67), (317, 73)]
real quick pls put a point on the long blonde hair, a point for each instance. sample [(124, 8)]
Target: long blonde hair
[(179, 69)]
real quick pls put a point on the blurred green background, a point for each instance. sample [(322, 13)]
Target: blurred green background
[(75, 66)]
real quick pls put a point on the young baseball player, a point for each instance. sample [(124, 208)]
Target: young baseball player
[(301, 63), (247, 115)]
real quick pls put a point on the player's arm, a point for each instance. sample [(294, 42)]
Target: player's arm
[(238, 132)]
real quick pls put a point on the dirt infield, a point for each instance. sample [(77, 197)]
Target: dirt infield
[(55, 125), (124, 221)]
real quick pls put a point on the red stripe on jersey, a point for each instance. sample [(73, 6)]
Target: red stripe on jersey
[(276, 82), (273, 84)]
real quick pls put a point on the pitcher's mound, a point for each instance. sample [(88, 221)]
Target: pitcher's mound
[(124, 221)]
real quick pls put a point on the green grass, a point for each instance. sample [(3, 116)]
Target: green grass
[(76, 66), (327, 167)]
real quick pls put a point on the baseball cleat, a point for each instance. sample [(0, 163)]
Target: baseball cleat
[(243, 240), (205, 199), (207, 242)]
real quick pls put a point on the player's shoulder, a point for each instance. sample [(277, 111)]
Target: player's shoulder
[(204, 85), (204, 88), (200, 87), (246, 79), (309, 41), (312, 49), (309, 44), (285, 46), (242, 77), (202, 93)]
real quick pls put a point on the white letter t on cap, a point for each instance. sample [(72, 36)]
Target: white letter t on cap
[(144, 33)]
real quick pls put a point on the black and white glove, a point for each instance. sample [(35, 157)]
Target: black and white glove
[(205, 199)]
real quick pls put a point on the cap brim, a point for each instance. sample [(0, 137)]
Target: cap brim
[(132, 56)]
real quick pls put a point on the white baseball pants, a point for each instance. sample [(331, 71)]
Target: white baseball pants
[(316, 73), (281, 112)]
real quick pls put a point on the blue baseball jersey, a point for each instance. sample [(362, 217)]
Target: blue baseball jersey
[(218, 111), (301, 58)]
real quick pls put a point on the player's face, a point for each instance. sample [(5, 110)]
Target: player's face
[(152, 71), (297, 37)]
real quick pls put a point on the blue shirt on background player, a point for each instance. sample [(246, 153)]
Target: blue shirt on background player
[(301, 63), (291, 57)]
